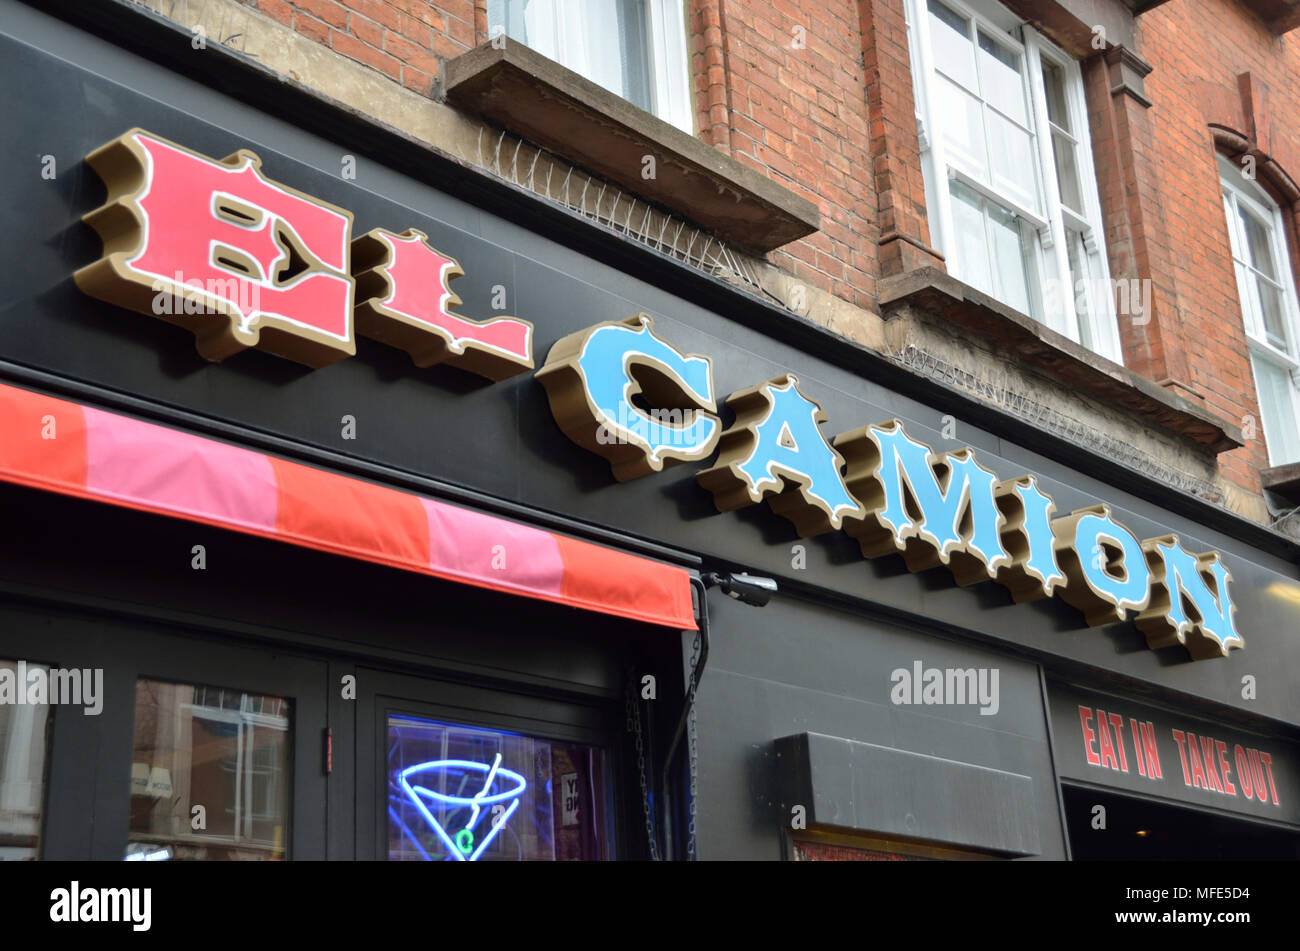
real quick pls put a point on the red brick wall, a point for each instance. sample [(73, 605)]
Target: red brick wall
[(1198, 48), (787, 79), (403, 39), (708, 38), (895, 148), (832, 118)]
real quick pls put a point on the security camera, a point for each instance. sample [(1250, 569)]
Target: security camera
[(747, 589)]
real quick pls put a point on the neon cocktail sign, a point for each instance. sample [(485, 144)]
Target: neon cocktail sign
[(242, 261), (500, 786)]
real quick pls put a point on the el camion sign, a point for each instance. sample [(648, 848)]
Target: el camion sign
[(241, 261)]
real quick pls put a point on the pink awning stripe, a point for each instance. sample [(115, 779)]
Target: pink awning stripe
[(467, 544), (63, 447), (170, 471)]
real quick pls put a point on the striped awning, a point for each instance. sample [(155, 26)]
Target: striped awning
[(77, 450)]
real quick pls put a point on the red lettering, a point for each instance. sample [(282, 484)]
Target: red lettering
[(1136, 733), (403, 299), (1267, 760), (1243, 771), (1257, 775), (220, 249), (1179, 738), (1222, 749), (1211, 772), (1117, 722), (1085, 717), (1107, 747), (1153, 752), (1198, 771)]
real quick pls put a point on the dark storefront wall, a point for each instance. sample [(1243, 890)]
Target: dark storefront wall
[(793, 667), (86, 585), (500, 438), (760, 686)]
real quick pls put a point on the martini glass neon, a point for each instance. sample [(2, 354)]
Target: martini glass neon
[(498, 786)]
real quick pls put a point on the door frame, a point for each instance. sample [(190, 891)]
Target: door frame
[(86, 796)]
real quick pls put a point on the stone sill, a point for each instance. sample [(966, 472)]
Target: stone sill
[(561, 111), (1280, 16), (1284, 480), (1073, 365)]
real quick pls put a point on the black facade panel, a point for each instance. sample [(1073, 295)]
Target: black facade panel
[(867, 788), (760, 686)]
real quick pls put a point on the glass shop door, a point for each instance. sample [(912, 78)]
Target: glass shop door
[(151, 743), (458, 772)]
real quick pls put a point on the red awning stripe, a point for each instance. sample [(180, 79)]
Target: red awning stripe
[(64, 447)]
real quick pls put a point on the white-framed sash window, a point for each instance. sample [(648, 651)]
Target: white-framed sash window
[(636, 49), (1010, 186), (1269, 309)]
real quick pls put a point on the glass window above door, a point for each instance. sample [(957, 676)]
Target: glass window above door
[(462, 793), (210, 774)]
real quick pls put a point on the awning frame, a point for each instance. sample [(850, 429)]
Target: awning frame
[(82, 451)]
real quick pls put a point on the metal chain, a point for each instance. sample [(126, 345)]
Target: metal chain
[(691, 753), (634, 727)]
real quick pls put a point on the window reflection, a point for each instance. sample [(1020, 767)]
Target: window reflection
[(210, 774), (24, 743)]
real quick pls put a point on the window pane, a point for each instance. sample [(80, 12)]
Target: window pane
[(1054, 89), (205, 747), (971, 260), (1258, 244), (1276, 405), (991, 249), (1269, 300), (605, 42), (950, 38), (1265, 297), (1249, 299), (1011, 151), (633, 43), (461, 793), (23, 751), (1000, 78), (1067, 173), (963, 126), (1009, 258)]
